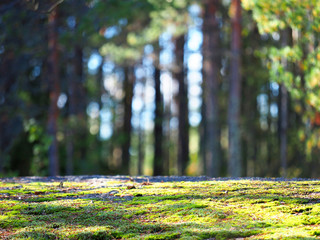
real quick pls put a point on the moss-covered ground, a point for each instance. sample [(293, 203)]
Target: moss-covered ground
[(242, 209)]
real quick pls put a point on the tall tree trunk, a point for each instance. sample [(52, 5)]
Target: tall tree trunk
[(76, 90), (284, 111), (141, 145), (183, 115), (76, 106), (283, 129), (126, 131), (141, 135), (235, 167), (203, 130), (211, 68), (167, 142), (54, 91), (203, 124), (158, 125), (269, 134), (8, 80)]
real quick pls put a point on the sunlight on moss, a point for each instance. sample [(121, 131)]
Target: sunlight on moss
[(186, 210)]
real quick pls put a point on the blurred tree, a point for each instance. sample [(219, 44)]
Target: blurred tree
[(235, 165), (211, 50), (284, 110), (129, 79), (158, 163), (54, 90), (183, 115)]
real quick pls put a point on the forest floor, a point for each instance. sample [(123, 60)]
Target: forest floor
[(102, 207)]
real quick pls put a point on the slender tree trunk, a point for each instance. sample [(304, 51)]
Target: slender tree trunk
[(8, 81), (283, 129), (284, 110), (158, 125), (141, 134), (203, 124), (203, 131), (269, 134), (183, 133), (76, 108), (54, 91), (140, 146), (167, 143), (99, 143), (211, 69), (126, 132), (235, 167)]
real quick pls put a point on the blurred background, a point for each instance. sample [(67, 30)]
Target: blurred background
[(160, 87)]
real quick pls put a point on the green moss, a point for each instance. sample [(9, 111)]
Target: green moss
[(34, 234), (99, 235), (316, 233), (163, 236), (13, 222), (185, 210), (41, 199)]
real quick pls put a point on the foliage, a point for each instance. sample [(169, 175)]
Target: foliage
[(302, 55), (40, 143), (144, 26)]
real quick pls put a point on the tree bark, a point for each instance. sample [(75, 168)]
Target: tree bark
[(158, 125), (211, 68), (283, 129), (141, 153), (126, 132), (54, 91), (234, 166), (183, 112), (284, 111), (76, 106)]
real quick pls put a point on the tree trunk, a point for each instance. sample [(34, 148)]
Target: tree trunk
[(158, 125), (167, 136), (203, 132), (211, 68), (140, 146), (126, 132), (141, 135), (8, 81), (54, 91), (183, 115), (284, 111), (76, 106), (283, 129), (235, 167)]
